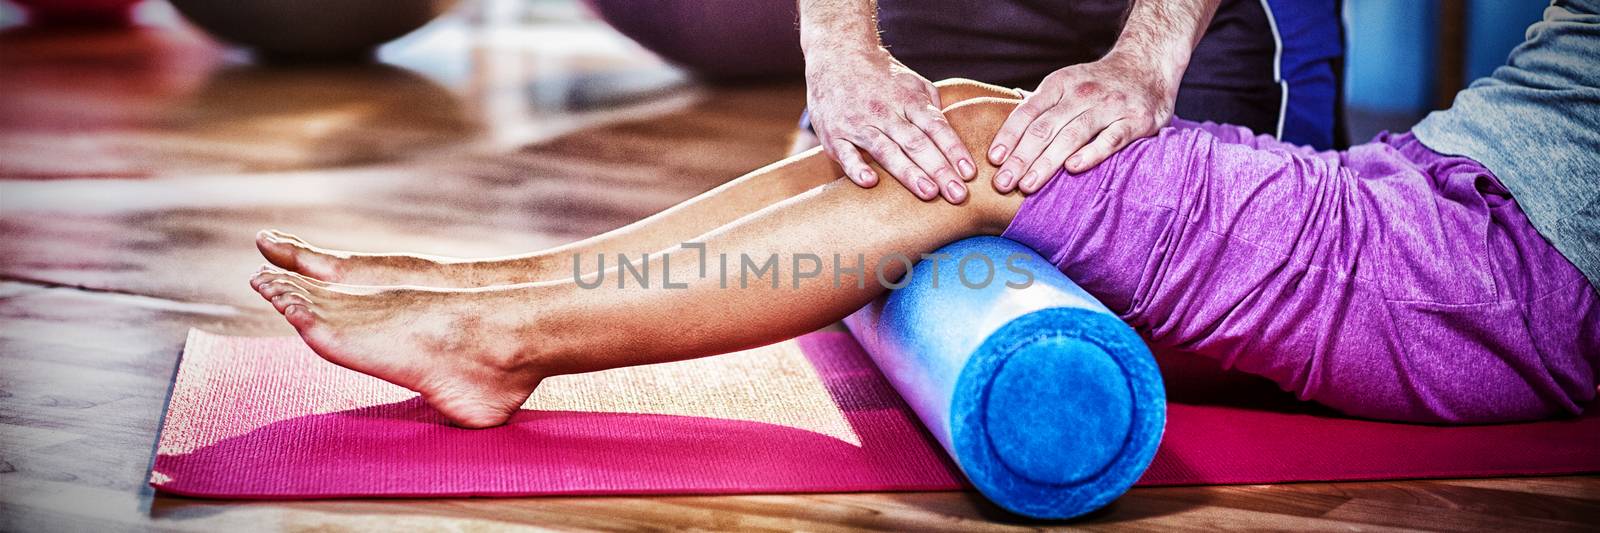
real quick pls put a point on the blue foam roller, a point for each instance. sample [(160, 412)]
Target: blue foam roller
[(1050, 404)]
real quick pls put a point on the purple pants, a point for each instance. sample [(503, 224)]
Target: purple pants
[(1387, 281)]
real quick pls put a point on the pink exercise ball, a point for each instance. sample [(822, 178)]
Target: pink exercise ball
[(716, 39)]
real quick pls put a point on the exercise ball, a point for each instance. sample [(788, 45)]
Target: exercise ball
[(311, 29), (78, 12), (715, 39)]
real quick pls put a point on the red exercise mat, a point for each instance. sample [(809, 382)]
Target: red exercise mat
[(266, 418)]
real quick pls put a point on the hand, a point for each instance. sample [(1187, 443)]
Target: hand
[(869, 101), (1080, 116)]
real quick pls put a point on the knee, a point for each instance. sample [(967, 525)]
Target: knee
[(955, 82), (976, 121), (953, 91)]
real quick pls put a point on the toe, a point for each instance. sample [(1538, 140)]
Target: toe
[(276, 249), (273, 288), (287, 238), (300, 316), (308, 281), (263, 275), (283, 301), (296, 255), (316, 286), (269, 273)]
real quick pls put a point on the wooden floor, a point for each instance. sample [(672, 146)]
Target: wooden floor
[(136, 165)]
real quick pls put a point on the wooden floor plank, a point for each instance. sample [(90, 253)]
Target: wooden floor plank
[(1390, 513), (1509, 502), (1576, 487)]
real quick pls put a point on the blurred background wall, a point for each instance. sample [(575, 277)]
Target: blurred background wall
[(1408, 57)]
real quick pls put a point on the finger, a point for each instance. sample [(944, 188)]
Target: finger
[(1072, 137), (849, 159), (926, 155), (1110, 140), (955, 150), (1017, 122), (1046, 166), (933, 95), (888, 155), (1038, 135)]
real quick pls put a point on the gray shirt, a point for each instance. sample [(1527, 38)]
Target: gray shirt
[(1535, 123)]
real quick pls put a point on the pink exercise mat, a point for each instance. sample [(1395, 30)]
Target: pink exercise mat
[(266, 418)]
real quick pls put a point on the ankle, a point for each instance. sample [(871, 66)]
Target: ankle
[(531, 347)]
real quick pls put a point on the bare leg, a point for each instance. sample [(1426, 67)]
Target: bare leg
[(712, 209), (476, 354), (698, 215)]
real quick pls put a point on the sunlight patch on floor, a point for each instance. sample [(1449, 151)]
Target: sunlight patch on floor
[(773, 384)]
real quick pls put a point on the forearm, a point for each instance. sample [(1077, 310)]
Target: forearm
[(1161, 35), (829, 27), (1081, 114)]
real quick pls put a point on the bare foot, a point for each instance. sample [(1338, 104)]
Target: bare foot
[(296, 255), (464, 351)]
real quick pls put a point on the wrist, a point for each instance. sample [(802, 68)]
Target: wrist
[(844, 58), (837, 35), (1164, 66), (1159, 38)]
